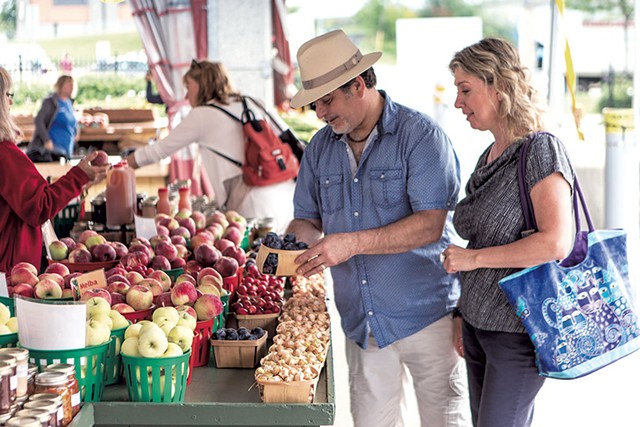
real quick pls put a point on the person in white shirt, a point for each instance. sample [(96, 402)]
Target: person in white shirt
[(209, 83)]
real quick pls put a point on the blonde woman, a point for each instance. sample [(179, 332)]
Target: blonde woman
[(56, 127), (495, 95), (26, 200), (209, 83)]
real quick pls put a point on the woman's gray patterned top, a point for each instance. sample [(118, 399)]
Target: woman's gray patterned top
[(491, 215)]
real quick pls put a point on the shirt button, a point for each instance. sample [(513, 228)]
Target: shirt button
[(364, 281), (327, 182), (355, 179), (370, 313), (356, 213)]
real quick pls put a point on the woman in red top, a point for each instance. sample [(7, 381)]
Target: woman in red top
[(26, 199)]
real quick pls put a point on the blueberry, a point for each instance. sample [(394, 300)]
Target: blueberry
[(291, 238), (243, 330), (289, 246), (258, 332), (249, 262), (252, 337), (220, 334), (302, 245), (267, 269), (233, 335), (272, 260)]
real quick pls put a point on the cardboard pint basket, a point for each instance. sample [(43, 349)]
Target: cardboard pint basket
[(286, 260), (268, 322), (288, 392), (239, 353)]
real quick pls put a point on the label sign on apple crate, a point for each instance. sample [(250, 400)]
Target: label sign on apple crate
[(91, 280)]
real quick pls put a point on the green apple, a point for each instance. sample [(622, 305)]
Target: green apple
[(132, 330), (166, 314), (119, 321), (167, 326), (181, 335), (5, 314), (147, 327), (130, 347), (187, 320), (12, 324), (152, 342), (97, 333), (173, 350), (103, 318), (97, 305)]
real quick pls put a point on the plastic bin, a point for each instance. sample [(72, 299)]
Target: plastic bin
[(90, 364), (161, 380), (113, 371), (64, 220)]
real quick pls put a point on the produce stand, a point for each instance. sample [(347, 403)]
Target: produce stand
[(215, 397)]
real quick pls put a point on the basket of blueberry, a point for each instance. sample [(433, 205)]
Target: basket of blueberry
[(277, 254), (241, 348)]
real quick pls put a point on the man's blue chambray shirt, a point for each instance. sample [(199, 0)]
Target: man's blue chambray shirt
[(410, 166)]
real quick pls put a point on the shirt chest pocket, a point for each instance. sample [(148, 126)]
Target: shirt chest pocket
[(331, 193), (387, 186)]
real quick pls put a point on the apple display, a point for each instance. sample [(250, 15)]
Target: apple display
[(47, 289), (130, 347), (192, 268), (161, 277), (183, 293), (103, 252), (170, 223), (222, 244), (80, 256), (86, 234), (177, 239), (139, 297), (181, 335), (185, 278), (133, 277), (216, 230), (189, 224), (219, 218), (198, 240), (120, 248), (58, 250), (159, 238), (21, 289), (152, 342), (153, 285), (57, 268), (116, 298), (53, 276), (119, 287), (236, 253), (97, 305), (182, 232), (208, 306), (96, 293), (209, 289), (206, 254), (167, 250), (178, 263), (123, 308), (234, 234), (97, 333), (139, 240), (199, 219), (160, 262), (169, 314), (22, 274), (226, 266)]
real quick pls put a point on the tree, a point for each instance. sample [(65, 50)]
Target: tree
[(623, 7), (8, 18)]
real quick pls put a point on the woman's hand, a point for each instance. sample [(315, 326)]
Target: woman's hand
[(457, 336), (95, 173), (455, 259)]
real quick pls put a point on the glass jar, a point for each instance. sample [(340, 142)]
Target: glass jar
[(184, 201), (31, 379), (23, 422), (149, 207), (14, 375), (265, 225), (52, 406), (41, 415), (72, 383), (56, 382), (5, 387), (22, 368), (164, 205)]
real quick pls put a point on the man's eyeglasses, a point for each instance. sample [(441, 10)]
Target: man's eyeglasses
[(348, 84), (10, 95)]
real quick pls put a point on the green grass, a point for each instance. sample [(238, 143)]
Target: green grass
[(85, 47)]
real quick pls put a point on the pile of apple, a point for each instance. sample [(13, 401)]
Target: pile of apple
[(54, 283), (8, 324), (258, 293), (101, 320), (90, 247), (169, 334)]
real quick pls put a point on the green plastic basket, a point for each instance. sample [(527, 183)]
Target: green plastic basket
[(8, 340), (10, 303), (113, 370), (146, 378), (174, 274), (90, 363), (63, 222), (225, 312)]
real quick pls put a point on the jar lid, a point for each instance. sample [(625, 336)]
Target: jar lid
[(40, 414), (6, 368), (33, 369), (67, 368), (9, 358), (52, 378), (49, 405), (24, 422), (21, 354), (163, 190), (45, 396)]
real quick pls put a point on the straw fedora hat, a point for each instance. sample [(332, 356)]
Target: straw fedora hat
[(326, 63)]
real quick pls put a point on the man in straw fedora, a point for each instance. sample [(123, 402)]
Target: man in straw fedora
[(374, 197)]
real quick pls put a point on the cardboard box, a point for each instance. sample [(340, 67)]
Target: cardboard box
[(268, 322), (239, 353)]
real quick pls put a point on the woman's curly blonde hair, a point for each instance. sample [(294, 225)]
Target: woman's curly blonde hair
[(213, 82), (8, 129), (497, 62)]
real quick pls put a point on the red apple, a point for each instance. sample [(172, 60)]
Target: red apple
[(160, 262), (167, 250), (233, 234), (123, 308), (206, 254), (190, 310), (80, 256), (53, 276), (68, 278), (199, 219), (21, 289), (23, 274), (184, 277), (237, 253), (96, 292), (222, 244), (103, 252), (71, 244), (183, 293), (101, 159), (153, 285), (118, 269), (189, 224), (163, 300), (117, 298), (57, 268), (139, 297), (86, 234), (46, 289), (178, 263), (118, 287), (161, 277), (192, 268), (120, 248), (226, 266)]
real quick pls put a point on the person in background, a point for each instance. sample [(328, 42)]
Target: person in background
[(66, 64), (26, 199), (152, 98), (56, 127), (494, 94), (373, 199), (209, 83)]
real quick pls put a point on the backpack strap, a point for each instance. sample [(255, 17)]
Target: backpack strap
[(224, 156)]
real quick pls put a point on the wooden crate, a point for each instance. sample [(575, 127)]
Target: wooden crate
[(239, 353), (288, 392)]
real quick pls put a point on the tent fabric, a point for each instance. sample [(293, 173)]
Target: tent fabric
[(283, 67)]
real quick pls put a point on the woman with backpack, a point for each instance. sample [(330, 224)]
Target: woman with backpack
[(221, 136)]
